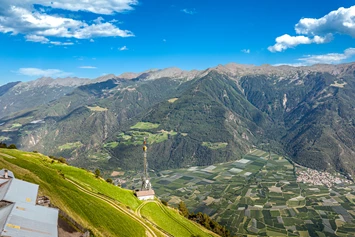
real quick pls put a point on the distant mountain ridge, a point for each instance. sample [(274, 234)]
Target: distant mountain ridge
[(191, 117)]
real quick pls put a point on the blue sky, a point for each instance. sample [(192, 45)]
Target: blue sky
[(73, 38)]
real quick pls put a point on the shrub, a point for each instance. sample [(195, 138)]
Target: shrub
[(12, 146), (97, 173)]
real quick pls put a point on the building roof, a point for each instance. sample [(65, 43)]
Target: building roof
[(21, 191), (144, 193), (29, 220), (19, 214)]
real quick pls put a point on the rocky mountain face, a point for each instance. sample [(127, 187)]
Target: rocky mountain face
[(189, 117), (23, 95)]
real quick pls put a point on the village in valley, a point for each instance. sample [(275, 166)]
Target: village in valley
[(261, 195)]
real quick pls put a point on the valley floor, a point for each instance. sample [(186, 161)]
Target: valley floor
[(260, 195)]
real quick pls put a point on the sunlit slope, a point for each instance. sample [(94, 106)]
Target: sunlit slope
[(104, 209), (171, 222)]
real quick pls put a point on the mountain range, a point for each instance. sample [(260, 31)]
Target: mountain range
[(189, 117)]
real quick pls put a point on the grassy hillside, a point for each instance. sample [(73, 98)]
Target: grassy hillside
[(169, 221), (101, 207)]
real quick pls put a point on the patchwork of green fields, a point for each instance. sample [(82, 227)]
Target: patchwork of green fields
[(259, 196), (137, 134), (145, 126)]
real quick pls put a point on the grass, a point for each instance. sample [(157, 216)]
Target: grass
[(69, 146), (171, 221), (97, 109), (172, 100), (90, 212), (145, 126), (137, 137), (215, 146), (83, 208), (87, 179), (339, 85), (111, 144), (16, 125)]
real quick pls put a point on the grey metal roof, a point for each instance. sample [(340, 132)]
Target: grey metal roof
[(4, 214), (10, 174), (31, 221), (23, 218), (4, 187), (21, 191)]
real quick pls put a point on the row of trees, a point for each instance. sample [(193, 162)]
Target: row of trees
[(204, 220), (11, 146)]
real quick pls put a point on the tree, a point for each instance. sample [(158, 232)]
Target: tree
[(3, 145), (165, 203), (110, 181), (12, 146), (97, 173), (183, 209)]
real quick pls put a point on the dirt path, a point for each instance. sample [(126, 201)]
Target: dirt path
[(149, 231), (7, 156)]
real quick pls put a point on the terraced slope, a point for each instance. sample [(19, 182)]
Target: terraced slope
[(104, 209)]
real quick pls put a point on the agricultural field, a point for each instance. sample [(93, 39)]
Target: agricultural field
[(259, 196), (138, 132), (97, 108), (214, 146), (70, 146), (145, 126)]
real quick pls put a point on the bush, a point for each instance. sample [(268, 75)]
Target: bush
[(12, 146), (3, 145), (110, 181), (62, 160), (97, 173), (165, 203)]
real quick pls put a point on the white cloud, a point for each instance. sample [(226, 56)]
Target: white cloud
[(341, 21), (329, 58), (88, 67), (286, 41), (92, 41), (99, 6), (20, 17), (189, 11), (116, 21), (245, 50), (123, 48), (61, 43), (37, 38), (37, 72), (44, 40), (319, 31)]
